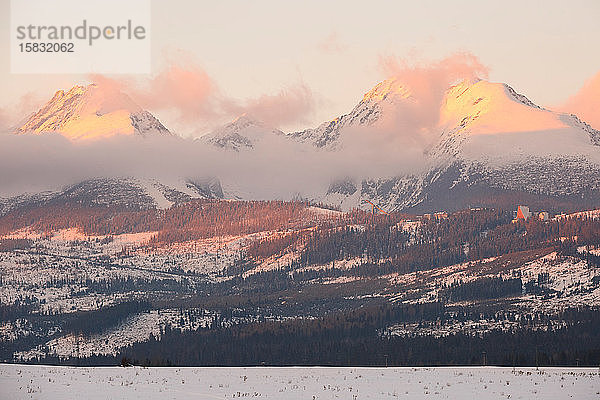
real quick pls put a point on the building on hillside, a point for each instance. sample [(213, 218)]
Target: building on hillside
[(440, 215), (523, 213)]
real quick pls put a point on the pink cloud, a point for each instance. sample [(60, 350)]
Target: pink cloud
[(182, 95), (331, 44), (189, 95), (187, 88), (586, 103), (12, 116), (427, 84), (290, 105), (461, 65), (4, 121), (111, 84)]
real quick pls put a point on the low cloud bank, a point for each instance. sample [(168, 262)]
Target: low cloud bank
[(586, 102)]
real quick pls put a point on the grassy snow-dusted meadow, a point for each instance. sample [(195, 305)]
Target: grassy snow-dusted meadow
[(50, 382)]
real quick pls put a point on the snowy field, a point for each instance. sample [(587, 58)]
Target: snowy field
[(48, 382)]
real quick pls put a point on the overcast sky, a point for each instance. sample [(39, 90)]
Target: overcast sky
[(328, 53)]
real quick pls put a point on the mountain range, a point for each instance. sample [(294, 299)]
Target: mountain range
[(480, 144), (93, 112), (492, 146)]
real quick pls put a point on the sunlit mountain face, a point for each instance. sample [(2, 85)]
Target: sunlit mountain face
[(491, 108), (487, 113), (93, 112)]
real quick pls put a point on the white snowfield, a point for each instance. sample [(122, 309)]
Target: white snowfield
[(482, 383)]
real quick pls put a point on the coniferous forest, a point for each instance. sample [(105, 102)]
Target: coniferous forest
[(299, 287)]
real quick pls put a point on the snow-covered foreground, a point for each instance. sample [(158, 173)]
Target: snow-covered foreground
[(49, 382)]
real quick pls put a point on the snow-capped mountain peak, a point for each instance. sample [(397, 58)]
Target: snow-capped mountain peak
[(388, 89), (366, 113), (489, 108), (242, 122), (243, 132), (488, 139), (93, 112)]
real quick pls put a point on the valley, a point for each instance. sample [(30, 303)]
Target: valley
[(73, 291)]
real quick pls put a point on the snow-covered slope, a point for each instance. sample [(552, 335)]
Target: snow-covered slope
[(366, 113), (491, 143), (134, 193), (93, 112), (242, 133), (490, 120), (50, 382)]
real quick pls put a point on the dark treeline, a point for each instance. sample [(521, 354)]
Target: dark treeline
[(570, 249), (356, 339), (464, 236), (274, 246), (20, 307), (384, 245), (77, 323), (432, 244), (14, 244), (129, 284), (484, 288), (87, 322)]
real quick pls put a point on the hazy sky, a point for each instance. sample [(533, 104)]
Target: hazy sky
[(330, 52)]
